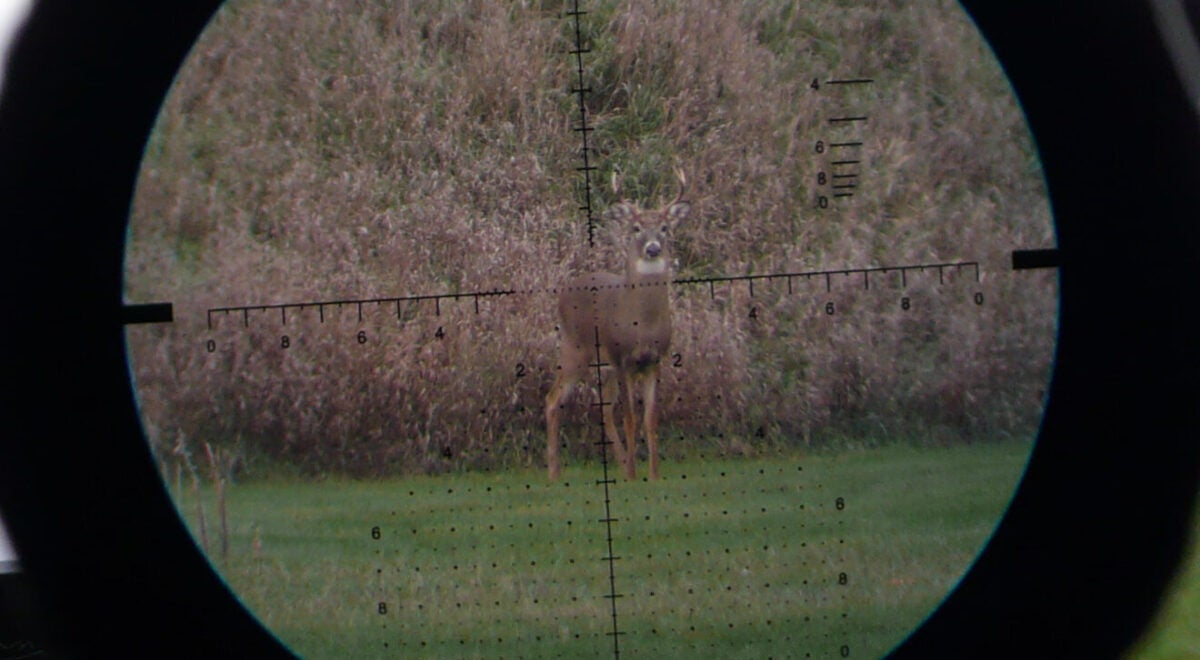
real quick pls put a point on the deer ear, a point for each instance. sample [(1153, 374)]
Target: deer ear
[(678, 211), (621, 212)]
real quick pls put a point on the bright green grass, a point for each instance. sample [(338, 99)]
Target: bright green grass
[(778, 557)]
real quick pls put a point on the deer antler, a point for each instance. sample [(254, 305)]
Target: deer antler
[(679, 174), (616, 184)]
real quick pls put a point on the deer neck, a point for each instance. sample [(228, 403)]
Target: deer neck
[(648, 271), (648, 268), (648, 280)]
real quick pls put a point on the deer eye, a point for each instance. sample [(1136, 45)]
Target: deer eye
[(664, 228), (637, 229)]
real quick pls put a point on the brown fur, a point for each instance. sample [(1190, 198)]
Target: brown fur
[(625, 321)]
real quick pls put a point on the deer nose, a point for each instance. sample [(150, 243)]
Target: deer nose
[(653, 250)]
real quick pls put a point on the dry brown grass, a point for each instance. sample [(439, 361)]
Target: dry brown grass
[(318, 150)]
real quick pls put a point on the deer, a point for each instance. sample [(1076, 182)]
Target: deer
[(621, 323)]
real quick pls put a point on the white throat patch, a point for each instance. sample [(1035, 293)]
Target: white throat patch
[(650, 267)]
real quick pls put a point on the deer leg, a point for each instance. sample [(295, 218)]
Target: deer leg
[(609, 391), (630, 427), (553, 402), (649, 422)]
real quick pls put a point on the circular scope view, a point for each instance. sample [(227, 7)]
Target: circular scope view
[(549, 329)]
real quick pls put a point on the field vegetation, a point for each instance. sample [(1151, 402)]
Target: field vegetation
[(322, 151), (723, 558)]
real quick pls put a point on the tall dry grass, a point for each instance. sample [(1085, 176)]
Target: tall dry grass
[(327, 150)]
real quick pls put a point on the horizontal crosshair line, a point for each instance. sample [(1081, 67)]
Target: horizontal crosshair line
[(830, 273), (320, 305), (493, 293), (367, 301), (851, 81)]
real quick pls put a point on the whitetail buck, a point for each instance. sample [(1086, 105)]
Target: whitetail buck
[(625, 322)]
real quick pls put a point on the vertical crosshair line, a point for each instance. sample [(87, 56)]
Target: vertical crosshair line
[(585, 152), (608, 520), (583, 127)]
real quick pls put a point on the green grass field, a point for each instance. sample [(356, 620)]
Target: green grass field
[(723, 557)]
